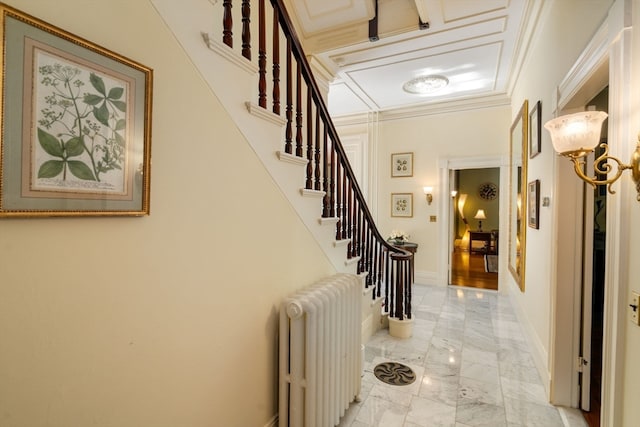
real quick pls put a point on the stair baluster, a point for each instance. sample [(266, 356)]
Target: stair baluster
[(327, 168)]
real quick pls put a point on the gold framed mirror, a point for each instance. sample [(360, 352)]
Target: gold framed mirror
[(518, 154)]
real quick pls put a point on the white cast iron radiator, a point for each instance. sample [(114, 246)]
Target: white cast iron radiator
[(320, 356)]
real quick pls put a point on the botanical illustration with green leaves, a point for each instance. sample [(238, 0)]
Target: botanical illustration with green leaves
[(80, 128)]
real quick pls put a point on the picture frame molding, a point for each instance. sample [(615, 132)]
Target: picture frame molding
[(400, 157), (397, 198), (533, 199), (115, 93)]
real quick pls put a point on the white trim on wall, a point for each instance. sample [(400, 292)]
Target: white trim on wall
[(454, 163)]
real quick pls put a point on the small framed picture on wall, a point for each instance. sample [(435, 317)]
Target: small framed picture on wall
[(402, 205), (533, 200), (401, 164)]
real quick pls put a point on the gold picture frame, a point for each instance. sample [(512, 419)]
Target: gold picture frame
[(401, 165), (518, 155), (76, 124), (534, 204), (402, 205)]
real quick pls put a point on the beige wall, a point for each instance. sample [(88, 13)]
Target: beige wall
[(432, 139), (167, 320)]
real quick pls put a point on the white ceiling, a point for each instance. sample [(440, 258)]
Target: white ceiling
[(474, 43)]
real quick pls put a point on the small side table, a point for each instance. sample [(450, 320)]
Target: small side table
[(407, 246), (480, 236)]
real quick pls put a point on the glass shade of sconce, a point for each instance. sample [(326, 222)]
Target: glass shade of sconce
[(428, 191), (576, 135)]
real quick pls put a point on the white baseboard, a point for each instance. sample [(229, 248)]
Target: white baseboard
[(538, 353), (428, 278), (273, 422)]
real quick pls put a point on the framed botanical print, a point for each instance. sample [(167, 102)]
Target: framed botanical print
[(402, 205), (401, 164), (76, 124)]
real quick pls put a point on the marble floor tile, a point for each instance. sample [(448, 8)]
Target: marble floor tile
[(524, 391), (515, 357), (532, 414), (481, 372), (481, 414), (428, 413), (376, 412), (473, 368), (474, 391), (443, 390), (487, 357), (527, 374), (393, 394)]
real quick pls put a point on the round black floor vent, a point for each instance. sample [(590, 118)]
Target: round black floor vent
[(394, 373)]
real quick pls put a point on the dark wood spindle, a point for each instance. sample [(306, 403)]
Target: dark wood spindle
[(298, 110), (392, 288), (339, 200), (407, 287), (309, 182), (361, 241), (387, 279), (325, 176), (262, 56), (398, 288), (350, 220), (288, 145), (329, 170), (358, 230), (276, 62), (316, 181), (227, 23), (246, 29), (375, 274), (332, 181), (365, 247), (369, 263), (343, 231)]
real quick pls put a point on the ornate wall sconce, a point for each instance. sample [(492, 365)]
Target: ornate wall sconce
[(575, 136), (428, 191)]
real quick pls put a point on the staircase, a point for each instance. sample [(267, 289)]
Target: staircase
[(280, 110)]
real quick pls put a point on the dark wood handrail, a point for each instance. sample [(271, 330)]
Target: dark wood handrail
[(287, 26), (328, 167)]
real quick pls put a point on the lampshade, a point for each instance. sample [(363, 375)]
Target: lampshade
[(427, 190), (480, 214), (576, 134)]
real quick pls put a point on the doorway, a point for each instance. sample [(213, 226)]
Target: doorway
[(592, 311), (475, 227)]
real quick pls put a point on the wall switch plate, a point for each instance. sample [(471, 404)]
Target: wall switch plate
[(432, 218), (634, 308)]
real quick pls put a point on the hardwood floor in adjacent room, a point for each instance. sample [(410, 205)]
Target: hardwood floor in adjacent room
[(468, 270)]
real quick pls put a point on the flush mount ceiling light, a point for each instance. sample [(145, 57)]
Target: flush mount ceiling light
[(425, 84)]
